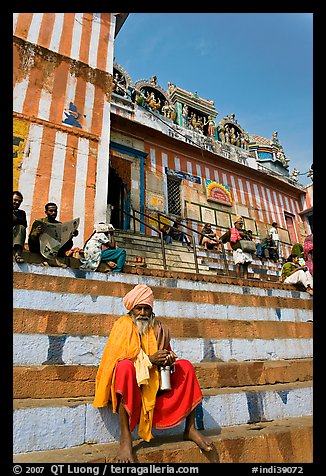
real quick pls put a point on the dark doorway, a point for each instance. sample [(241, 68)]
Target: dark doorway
[(116, 198)]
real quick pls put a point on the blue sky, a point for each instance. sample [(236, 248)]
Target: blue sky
[(256, 65)]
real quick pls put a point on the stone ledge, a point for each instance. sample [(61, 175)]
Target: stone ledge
[(284, 441), (72, 381)]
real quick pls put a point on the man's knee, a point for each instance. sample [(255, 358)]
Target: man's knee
[(185, 365), (126, 368)]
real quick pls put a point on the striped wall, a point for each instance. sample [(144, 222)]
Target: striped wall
[(62, 74), (265, 204)]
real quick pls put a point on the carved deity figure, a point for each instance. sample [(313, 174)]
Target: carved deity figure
[(294, 175), (275, 140), (153, 80), (211, 126), (119, 84), (152, 102)]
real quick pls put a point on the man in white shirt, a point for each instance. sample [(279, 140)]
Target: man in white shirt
[(273, 233)]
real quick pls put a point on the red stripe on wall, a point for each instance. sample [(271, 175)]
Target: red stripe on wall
[(43, 173), (66, 36), (104, 43), (59, 92), (69, 179), (34, 88), (23, 24), (86, 37), (46, 29), (90, 189)]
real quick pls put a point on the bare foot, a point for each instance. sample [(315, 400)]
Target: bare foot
[(124, 454), (309, 291), (197, 437)]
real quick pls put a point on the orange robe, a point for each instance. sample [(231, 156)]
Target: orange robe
[(124, 343)]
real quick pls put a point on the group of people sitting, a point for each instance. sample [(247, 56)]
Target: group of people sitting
[(100, 246)]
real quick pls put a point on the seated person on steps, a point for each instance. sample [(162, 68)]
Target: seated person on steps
[(51, 212), (293, 273), (178, 235), (19, 227), (209, 239), (101, 247), (128, 377), (269, 249), (234, 235), (166, 237)]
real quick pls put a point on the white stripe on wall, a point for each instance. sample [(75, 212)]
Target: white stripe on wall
[(177, 165), (34, 29), (89, 106), (189, 170), (198, 170), (70, 91), (279, 216), (249, 194), (109, 60), (45, 103), (282, 210), (216, 177), (14, 21), (152, 159), (102, 169), (29, 168), (76, 36), (19, 94), (80, 188), (243, 198), (257, 198), (234, 189), (165, 179), (58, 165), (271, 204), (225, 180), (56, 32), (207, 173), (95, 37), (266, 205)]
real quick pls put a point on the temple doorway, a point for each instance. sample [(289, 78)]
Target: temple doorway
[(118, 200)]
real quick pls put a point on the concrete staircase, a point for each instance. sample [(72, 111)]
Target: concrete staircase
[(250, 342), (179, 259)]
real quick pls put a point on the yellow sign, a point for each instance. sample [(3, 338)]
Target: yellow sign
[(20, 134)]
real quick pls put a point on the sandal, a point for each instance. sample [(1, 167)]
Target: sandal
[(19, 258)]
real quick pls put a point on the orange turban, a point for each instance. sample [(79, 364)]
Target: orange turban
[(141, 294)]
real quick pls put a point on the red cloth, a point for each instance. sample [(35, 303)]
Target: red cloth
[(234, 235), (171, 406)]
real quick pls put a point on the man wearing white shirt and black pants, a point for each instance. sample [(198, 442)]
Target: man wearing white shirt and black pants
[(273, 233)]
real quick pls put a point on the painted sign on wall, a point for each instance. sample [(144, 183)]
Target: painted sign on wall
[(218, 192), (20, 133), (183, 175)]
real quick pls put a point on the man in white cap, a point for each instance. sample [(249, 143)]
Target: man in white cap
[(128, 377), (101, 247)]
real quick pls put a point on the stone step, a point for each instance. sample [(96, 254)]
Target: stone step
[(74, 421), (31, 321), (254, 443), (169, 301), (73, 381), (40, 349)]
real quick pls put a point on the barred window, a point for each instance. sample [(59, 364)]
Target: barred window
[(174, 199)]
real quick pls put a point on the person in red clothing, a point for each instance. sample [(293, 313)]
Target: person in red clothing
[(128, 377)]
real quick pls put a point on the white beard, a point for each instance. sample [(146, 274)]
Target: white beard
[(142, 324)]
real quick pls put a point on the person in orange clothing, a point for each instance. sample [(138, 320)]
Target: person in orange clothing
[(128, 377)]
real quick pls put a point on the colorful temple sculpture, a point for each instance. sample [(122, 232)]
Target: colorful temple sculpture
[(104, 147)]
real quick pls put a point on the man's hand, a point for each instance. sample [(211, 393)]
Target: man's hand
[(163, 357), (39, 229)]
